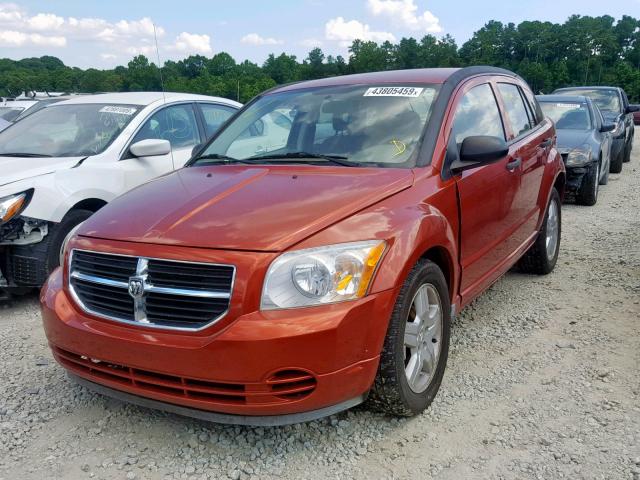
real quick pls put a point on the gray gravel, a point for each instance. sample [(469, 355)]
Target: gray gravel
[(542, 383)]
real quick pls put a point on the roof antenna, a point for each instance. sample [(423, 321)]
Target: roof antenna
[(155, 37), (164, 98)]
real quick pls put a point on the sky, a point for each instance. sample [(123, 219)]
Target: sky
[(110, 32)]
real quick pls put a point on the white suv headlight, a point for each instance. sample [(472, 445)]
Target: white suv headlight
[(321, 275), (11, 205)]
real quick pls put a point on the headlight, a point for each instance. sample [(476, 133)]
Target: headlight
[(619, 130), (11, 205), (321, 275), (578, 157)]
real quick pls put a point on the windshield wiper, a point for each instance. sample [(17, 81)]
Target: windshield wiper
[(216, 156), (335, 159), (23, 154)]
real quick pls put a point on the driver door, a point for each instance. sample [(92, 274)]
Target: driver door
[(175, 123)]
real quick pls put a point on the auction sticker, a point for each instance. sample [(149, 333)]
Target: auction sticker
[(568, 105), (393, 92), (119, 110)]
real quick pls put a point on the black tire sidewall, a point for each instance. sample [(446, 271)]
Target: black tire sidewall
[(429, 273), (59, 232), (551, 263)]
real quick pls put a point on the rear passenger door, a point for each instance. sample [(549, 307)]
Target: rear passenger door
[(487, 194), (529, 147)]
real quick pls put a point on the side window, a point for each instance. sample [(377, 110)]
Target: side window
[(532, 108), (477, 114), (176, 123), (215, 116), (516, 110)]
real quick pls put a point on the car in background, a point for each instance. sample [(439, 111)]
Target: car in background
[(42, 103), (12, 109), (4, 124), (636, 114), (291, 283), (64, 162), (615, 107), (584, 140)]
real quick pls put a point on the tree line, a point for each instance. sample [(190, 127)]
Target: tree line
[(583, 50)]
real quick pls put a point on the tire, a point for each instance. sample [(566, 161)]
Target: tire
[(588, 193), (627, 152), (392, 392), (605, 178), (537, 260), (616, 163)]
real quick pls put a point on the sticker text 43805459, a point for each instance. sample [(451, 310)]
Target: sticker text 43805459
[(393, 92)]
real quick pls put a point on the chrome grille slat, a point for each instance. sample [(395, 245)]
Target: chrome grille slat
[(165, 293)]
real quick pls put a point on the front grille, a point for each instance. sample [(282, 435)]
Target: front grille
[(149, 291), (281, 387)]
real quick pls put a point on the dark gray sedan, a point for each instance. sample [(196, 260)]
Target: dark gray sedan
[(584, 141)]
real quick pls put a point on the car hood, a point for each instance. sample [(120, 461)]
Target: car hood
[(266, 208), (13, 169), (569, 139)]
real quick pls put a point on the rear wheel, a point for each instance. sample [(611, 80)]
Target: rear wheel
[(542, 256), (415, 351), (588, 193)]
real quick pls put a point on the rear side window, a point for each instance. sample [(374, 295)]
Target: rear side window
[(515, 107), (215, 116), (477, 114)]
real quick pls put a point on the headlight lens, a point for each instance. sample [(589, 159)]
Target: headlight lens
[(321, 275), (579, 157), (11, 205), (619, 130)]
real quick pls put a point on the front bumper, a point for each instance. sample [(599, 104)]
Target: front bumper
[(298, 363), (576, 177)]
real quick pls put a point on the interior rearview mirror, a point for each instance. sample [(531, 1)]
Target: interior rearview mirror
[(151, 147), (479, 150), (608, 127)]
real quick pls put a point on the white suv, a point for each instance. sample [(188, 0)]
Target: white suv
[(66, 161)]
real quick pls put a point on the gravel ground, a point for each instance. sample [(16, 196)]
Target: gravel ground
[(542, 382)]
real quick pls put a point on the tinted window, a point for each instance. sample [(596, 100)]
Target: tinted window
[(568, 115), (215, 116), (176, 123), (607, 100), (10, 113), (516, 110), (477, 114)]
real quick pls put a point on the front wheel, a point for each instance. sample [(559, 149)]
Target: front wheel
[(542, 256), (416, 347), (627, 152), (588, 193)]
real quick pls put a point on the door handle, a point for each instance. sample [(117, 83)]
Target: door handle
[(513, 164), (546, 143)]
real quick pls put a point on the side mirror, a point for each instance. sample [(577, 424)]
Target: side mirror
[(608, 127), (152, 147), (196, 149), (633, 108), (479, 150)]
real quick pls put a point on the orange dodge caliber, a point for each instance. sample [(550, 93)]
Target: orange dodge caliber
[(312, 255)]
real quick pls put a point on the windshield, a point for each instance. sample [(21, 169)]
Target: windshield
[(570, 116), (10, 113), (350, 125), (67, 130), (607, 100)]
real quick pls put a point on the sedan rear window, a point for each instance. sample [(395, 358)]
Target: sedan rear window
[(567, 116)]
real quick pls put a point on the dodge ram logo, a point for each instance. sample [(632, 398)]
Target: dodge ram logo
[(136, 287)]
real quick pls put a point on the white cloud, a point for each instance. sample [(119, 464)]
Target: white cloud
[(191, 43), (255, 39), (108, 56), (404, 13), (12, 38), (345, 32)]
